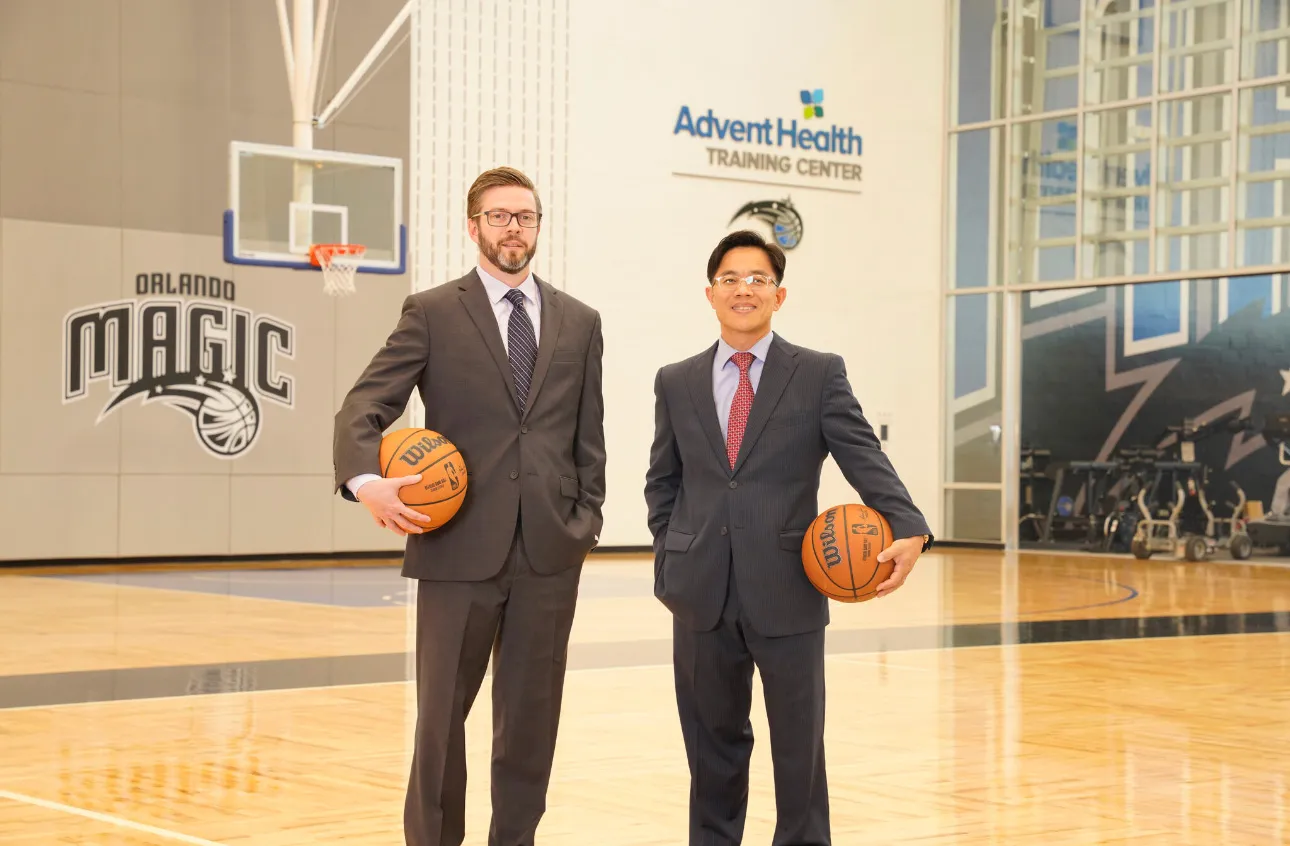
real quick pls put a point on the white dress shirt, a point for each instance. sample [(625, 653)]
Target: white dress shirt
[(502, 308)]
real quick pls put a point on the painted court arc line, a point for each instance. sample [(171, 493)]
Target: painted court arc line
[(1132, 594), (106, 818)]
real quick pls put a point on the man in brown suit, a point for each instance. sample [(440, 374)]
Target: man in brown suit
[(509, 369)]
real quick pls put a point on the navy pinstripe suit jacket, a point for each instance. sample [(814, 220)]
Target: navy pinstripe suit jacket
[(708, 520)]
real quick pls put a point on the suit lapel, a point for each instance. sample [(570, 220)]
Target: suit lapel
[(552, 316), (699, 380), (781, 361), (475, 299)]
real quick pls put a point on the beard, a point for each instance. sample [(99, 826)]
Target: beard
[(492, 250)]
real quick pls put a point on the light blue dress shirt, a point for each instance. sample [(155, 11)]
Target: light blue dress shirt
[(725, 375)]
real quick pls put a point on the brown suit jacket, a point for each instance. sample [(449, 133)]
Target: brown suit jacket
[(548, 460)]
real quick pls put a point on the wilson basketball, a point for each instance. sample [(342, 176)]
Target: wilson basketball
[(840, 552), (406, 452)]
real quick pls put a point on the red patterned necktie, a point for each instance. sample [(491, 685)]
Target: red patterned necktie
[(739, 407)]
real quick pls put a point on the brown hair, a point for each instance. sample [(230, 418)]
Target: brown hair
[(496, 178), (747, 238)]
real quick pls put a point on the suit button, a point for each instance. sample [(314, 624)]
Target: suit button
[(515, 474), (724, 530), (734, 485), (524, 430)]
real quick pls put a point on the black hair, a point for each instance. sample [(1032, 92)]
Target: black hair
[(747, 238)]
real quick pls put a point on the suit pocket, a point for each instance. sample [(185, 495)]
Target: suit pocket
[(789, 420), (677, 541), (792, 540), (568, 487)]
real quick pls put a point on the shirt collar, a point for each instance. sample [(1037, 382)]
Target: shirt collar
[(497, 289), (759, 349)]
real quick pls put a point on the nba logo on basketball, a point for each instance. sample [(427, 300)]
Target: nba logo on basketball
[(214, 362), (449, 480)]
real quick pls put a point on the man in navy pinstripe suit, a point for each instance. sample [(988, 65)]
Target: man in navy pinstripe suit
[(741, 433)]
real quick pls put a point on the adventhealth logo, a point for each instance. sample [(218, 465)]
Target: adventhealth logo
[(774, 132), (812, 100)]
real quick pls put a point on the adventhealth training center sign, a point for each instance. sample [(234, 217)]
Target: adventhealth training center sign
[(797, 146)]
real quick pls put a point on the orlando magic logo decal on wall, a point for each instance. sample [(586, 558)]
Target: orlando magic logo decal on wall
[(785, 222), (215, 363)]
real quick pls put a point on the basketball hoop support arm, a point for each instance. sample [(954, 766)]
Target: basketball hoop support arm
[(334, 106), (301, 68), (284, 29)]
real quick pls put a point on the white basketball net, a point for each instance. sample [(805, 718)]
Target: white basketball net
[(339, 268)]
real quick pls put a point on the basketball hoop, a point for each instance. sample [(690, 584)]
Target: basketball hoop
[(339, 263)]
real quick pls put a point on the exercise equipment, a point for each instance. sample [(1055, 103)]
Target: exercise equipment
[(1091, 504), (1034, 474), (1137, 469), (1175, 508), (1273, 529)]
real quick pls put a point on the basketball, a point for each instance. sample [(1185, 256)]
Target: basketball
[(840, 552), (439, 494)]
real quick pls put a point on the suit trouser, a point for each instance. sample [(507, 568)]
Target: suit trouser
[(713, 672), (523, 620)]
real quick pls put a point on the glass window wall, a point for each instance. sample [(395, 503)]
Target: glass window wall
[(1140, 144)]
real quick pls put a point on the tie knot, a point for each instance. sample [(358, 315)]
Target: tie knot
[(516, 296), (742, 360)]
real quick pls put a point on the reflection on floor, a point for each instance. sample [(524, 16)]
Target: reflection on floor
[(358, 588), (995, 699)]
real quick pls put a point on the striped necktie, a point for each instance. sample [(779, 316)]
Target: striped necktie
[(521, 346)]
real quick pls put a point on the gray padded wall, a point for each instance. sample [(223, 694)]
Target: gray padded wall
[(115, 120)]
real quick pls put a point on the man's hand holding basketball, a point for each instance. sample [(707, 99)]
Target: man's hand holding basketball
[(381, 496), (904, 552)]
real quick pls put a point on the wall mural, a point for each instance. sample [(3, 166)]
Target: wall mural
[(1121, 384)]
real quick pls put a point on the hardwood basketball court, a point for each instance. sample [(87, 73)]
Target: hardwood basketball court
[(1046, 699)]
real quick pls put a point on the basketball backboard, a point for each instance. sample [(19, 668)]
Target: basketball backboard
[(283, 200)]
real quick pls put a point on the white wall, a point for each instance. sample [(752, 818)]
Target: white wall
[(631, 237), (864, 281)]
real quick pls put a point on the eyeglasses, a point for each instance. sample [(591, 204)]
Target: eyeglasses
[(497, 217), (755, 281)]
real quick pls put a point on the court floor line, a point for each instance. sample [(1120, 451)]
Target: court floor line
[(1132, 594), (842, 657), (308, 688), (106, 818)]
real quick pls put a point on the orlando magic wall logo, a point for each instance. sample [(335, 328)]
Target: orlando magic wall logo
[(212, 362), (785, 222)]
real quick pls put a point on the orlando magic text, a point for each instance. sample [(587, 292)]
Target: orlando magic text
[(213, 361)]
